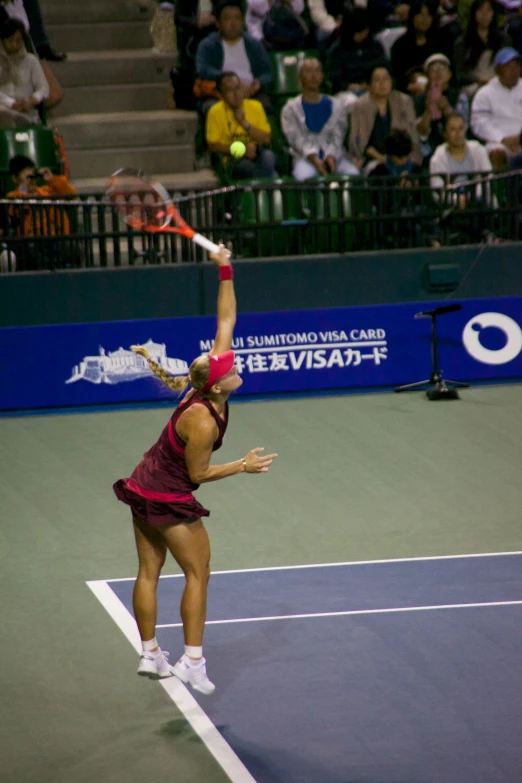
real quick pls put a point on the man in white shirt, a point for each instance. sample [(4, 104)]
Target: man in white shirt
[(315, 126), (496, 111)]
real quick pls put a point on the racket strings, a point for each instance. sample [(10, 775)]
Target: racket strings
[(145, 205), (139, 202)]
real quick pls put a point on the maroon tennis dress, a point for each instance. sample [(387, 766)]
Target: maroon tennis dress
[(160, 491)]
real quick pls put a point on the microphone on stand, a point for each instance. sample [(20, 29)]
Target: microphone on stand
[(439, 311)]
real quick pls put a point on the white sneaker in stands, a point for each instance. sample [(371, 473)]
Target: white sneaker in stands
[(155, 665), (194, 675)]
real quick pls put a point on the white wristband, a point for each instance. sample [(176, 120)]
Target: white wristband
[(244, 465)]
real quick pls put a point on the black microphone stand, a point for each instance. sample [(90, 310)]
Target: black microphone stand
[(439, 389)]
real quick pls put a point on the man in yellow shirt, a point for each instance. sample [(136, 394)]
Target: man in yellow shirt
[(235, 118)]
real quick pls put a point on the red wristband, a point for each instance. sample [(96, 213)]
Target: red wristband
[(226, 272)]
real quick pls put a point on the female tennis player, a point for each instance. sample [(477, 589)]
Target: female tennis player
[(165, 513)]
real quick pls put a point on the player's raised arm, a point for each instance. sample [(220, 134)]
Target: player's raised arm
[(226, 303)]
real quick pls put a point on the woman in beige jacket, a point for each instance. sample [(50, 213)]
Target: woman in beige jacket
[(374, 115)]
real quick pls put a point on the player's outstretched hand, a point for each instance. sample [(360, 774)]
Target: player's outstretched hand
[(256, 463), (222, 257)]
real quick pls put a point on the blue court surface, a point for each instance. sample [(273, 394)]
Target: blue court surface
[(405, 671)]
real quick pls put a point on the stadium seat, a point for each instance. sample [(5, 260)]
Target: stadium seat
[(260, 208), (331, 202), (285, 66), (280, 146)]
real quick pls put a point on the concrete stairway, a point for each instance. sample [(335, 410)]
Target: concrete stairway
[(114, 112)]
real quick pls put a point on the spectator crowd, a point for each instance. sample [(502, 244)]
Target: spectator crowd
[(387, 87)]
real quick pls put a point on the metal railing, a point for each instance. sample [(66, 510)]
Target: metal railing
[(266, 220)]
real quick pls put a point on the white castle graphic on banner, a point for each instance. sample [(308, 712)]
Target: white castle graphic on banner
[(121, 365)]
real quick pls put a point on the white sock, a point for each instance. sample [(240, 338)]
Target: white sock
[(193, 652), (149, 645)]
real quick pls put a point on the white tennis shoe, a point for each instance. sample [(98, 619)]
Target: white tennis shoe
[(196, 676), (155, 665)]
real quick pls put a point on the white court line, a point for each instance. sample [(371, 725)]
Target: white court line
[(179, 694), (334, 565), (346, 614)]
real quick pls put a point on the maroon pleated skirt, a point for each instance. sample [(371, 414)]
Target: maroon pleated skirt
[(155, 513)]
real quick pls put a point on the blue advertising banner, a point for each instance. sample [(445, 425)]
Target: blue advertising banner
[(339, 348)]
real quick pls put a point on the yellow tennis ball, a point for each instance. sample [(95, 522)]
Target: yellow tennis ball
[(237, 149)]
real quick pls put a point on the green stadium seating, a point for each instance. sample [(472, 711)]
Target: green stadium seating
[(285, 66), (261, 207), (280, 147), (331, 203)]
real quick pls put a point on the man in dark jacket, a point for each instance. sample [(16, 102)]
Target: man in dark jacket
[(232, 50)]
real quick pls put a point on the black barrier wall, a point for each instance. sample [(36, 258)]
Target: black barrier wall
[(28, 299)]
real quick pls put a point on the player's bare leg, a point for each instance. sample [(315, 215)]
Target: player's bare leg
[(152, 551), (190, 547)]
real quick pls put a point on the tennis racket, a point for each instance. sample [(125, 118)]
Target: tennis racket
[(144, 205)]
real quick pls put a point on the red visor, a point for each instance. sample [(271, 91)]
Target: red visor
[(220, 365)]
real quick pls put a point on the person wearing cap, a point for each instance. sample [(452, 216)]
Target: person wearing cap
[(496, 110), (160, 491), (439, 101)]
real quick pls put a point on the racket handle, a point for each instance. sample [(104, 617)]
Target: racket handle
[(202, 241)]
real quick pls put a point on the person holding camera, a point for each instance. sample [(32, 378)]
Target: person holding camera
[(39, 221)]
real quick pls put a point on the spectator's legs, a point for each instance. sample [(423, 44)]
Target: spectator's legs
[(345, 166), (17, 119), (322, 35), (244, 169), (38, 33), (303, 169), (262, 166), (7, 120), (36, 22), (266, 160), (501, 157), (498, 158)]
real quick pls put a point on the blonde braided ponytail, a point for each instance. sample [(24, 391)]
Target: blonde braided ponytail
[(197, 377), (176, 383)]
